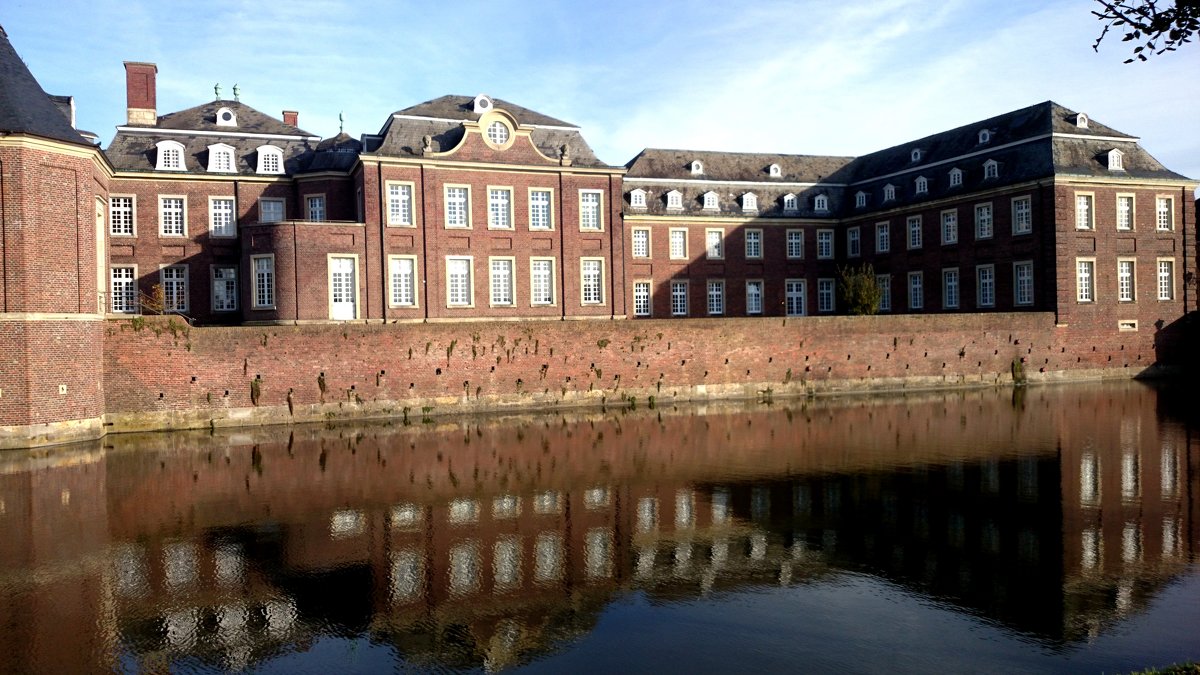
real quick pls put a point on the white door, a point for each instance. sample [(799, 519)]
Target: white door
[(342, 289), (794, 291)]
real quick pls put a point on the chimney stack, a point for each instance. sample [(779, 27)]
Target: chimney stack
[(291, 117), (140, 92)]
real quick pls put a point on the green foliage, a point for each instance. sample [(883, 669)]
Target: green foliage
[(860, 294), (1160, 29)]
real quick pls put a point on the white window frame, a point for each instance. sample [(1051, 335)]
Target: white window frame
[(641, 298), (674, 200), (715, 297), (794, 244), (466, 298), (541, 209), (1022, 216), (712, 201), (637, 199), (714, 247), (221, 158), (951, 288), (401, 211), (883, 237), (397, 281), (502, 281), (991, 169), (1126, 280), (985, 136), (824, 244), (884, 283), (921, 185), (1085, 280), (270, 160), (755, 291), (826, 295), (1165, 281), (985, 286), (639, 246), (749, 202), (272, 201), (124, 301), (916, 290), (536, 299), (889, 192), (916, 233), (753, 244), (500, 207), (1159, 200), (1116, 160), (314, 208), (217, 281), (591, 210), (1023, 288), (949, 227), (170, 156), (456, 206), (795, 291), (860, 199), (162, 215), (167, 279), (1126, 217), (1085, 211), (790, 203), (354, 277), (217, 229), (678, 240), (985, 221), (262, 293), (591, 283), (679, 297), (128, 210), (956, 177), (821, 203)]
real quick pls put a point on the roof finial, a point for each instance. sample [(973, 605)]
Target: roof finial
[(341, 123), (237, 94), (217, 91)]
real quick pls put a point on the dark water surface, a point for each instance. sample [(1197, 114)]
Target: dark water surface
[(1053, 529)]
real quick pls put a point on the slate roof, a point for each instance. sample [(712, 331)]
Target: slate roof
[(443, 123), (24, 107), (133, 149), (339, 153)]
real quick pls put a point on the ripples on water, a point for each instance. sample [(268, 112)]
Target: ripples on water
[(1036, 531)]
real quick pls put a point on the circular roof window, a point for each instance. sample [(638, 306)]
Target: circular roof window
[(497, 133)]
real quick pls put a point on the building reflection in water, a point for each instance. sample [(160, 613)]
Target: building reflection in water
[(1057, 512)]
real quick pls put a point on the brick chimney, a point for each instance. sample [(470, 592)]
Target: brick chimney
[(291, 117), (140, 92)]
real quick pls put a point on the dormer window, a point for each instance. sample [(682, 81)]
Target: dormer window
[(985, 136), (711, 200), (821, 203), (481, 104), (749, 202), (1081, 120), (916, 154), (889, 192), (170, 156), (697, 167), (270, 159), (637, 199), (922, 185), (774, 171), (991, 169), (220, 158), (675, 200), (955, 177), (226, 118), (790, 204), (860, 199), (1116, 160)]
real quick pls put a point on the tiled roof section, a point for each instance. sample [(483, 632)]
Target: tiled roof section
[(250, 121), (730, 200), (24, 106), (136, 151), (1085, 157), (339, 153), (737, 166), (404, 137)]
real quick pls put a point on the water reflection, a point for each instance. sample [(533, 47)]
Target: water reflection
[(490, 543)]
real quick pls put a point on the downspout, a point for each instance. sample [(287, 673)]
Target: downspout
[(424, 245), (3, 246), (237, 227), (296, 271), (612, 254), (383, 266), (562, 252)]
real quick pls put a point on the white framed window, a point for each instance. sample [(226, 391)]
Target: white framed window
[(497, 133), (916, 290), (1164, 214), (1023, 283), (221, 222), (675, 200), (270, 210), (1085, 279), (884, 283), (749, 202), (754, 248), (697, 167), (590, 209), (711, 201), (985, 136), (458, 206), (500, 208), (914, 232), (821, 203), (1022, 215), (922, 185), (824, 244), (123, 289), (591, 281), (121, 218), (641, 298), (402, 281), (825, 288), (270, 159), (883, 237), (502, 281), (460, 286), (754, 297), (174, 280), (314, 208), (169, 156), (1125, 212), (1084, 213), (956, 176), (637, 198), (950, 288), (1166, 278), (889, 192), (714, 244), (541, 281), (991, 169), (541, 209), (915, 155), (1116, 160), (790, 203), (678, 243), (985, 285), (1125, 280), (263, 267), (984, 224), (716, 297), (794, 294), (172, 216), (853, 242), (226, 118), (774, 171), (949, 227), (679, 298), (860, 199), (224, 288), (795, 244), (641, 242), (220, 158), (1081, 120), (400, 204)]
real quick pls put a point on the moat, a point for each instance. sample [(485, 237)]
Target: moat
[(1042, 529)]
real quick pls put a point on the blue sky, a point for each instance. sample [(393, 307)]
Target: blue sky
[(797, 76)]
